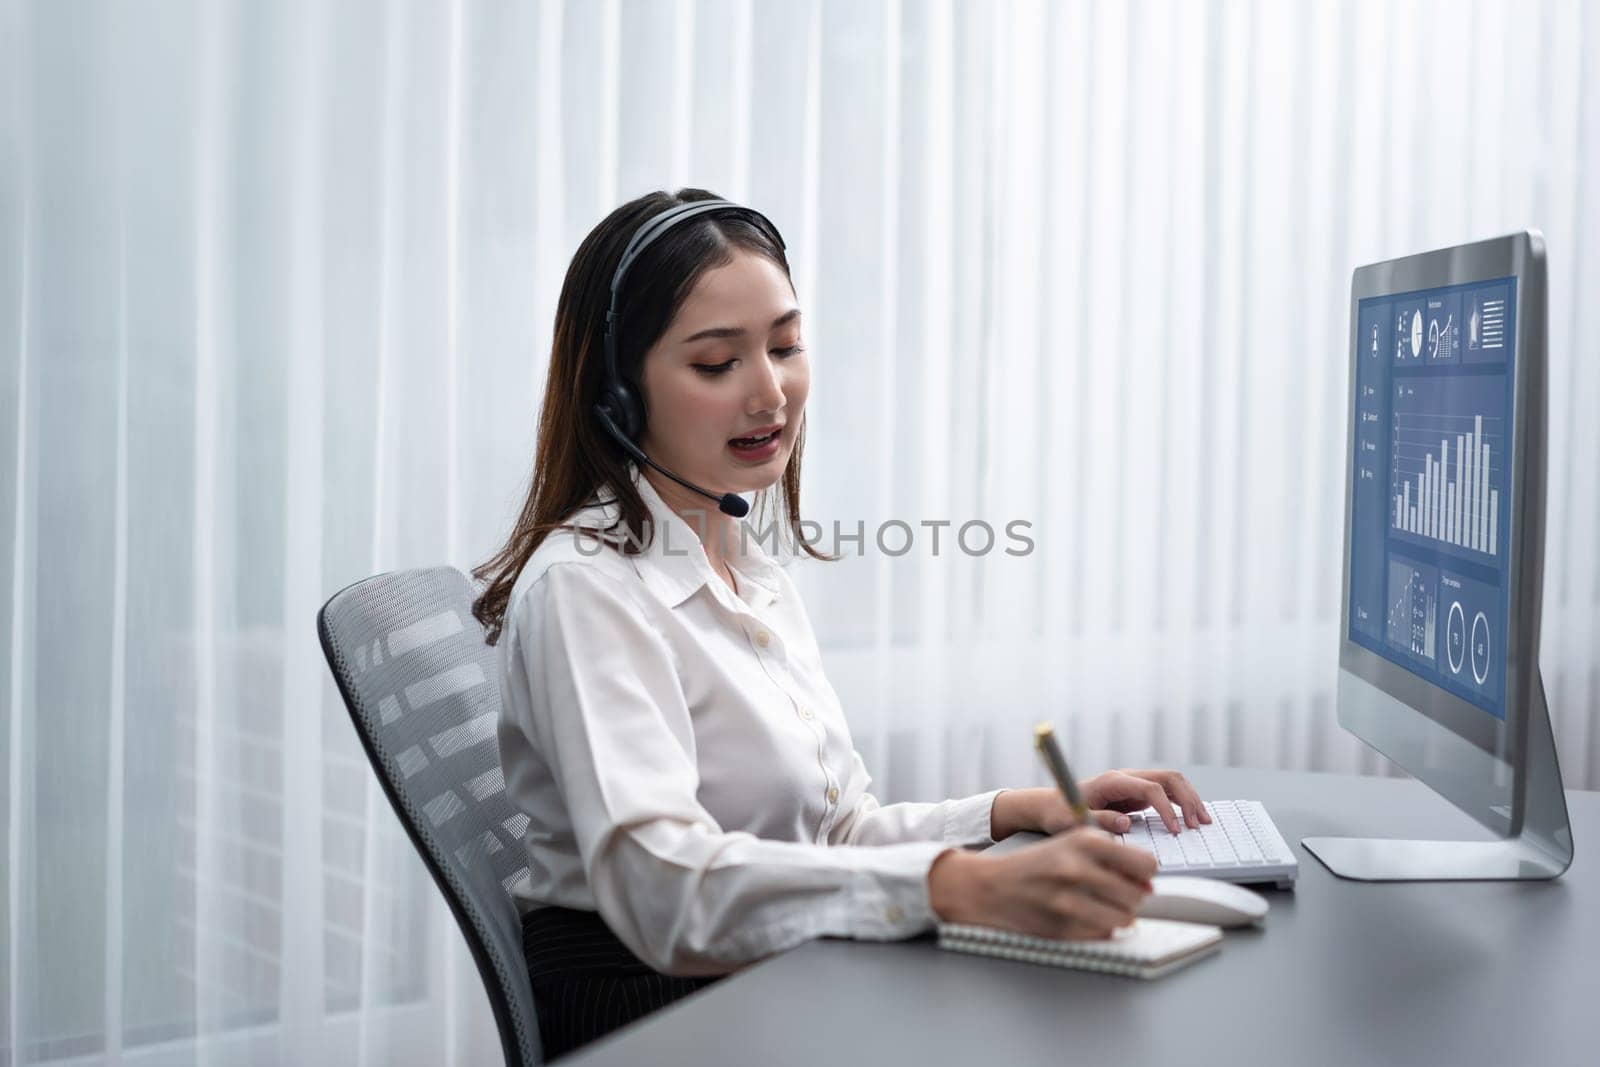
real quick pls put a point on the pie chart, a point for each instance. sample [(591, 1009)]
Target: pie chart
[(1416, 334)]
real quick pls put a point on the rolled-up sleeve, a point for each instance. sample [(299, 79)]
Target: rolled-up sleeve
[(686, 896)]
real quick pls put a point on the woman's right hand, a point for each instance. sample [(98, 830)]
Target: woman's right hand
[(1078, 884)]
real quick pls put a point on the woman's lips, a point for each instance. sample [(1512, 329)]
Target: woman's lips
[(758, 453)]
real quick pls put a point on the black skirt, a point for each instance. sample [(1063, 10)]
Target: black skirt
[(586, 982)]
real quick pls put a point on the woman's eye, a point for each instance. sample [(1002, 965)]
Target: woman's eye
[(711, 370)]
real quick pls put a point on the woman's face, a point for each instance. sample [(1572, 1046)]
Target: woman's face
[(731, 366)]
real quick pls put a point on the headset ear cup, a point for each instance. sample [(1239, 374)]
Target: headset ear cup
[(622, 408), (631, 412)]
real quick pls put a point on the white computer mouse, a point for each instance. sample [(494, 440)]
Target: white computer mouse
[(1202, 900)]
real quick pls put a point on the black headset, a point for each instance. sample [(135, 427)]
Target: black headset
[(620, 411)]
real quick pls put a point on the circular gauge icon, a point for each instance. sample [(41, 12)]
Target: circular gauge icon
[(1433, 338), (1480, 648), (1416, 334), (1455, 637)]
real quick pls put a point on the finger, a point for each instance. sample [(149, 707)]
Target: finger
[(1181, 791), (1122, 791), (1114, 821), (1134, 864), (1089, 874), (1185, 793), (1156, 797), (1112, 887), (1188, 812), (1186, 802), (1079, 932), (1073, 906)]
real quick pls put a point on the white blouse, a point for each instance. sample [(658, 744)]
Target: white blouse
[(685, 766)]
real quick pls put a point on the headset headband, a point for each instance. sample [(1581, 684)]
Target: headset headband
[(644, 236)]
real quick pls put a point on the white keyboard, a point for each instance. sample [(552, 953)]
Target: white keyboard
[(1239, 844)]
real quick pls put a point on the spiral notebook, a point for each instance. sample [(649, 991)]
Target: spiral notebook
[(1149, 948)]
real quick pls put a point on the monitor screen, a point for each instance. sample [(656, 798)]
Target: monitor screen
[(1431, 484)]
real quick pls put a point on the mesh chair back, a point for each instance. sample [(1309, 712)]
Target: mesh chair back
[(420, 683)]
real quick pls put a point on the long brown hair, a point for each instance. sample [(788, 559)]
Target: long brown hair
[(574, 459)]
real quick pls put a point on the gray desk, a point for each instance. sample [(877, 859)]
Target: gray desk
[(1343, 972)]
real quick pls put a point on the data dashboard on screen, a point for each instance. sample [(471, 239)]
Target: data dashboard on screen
[(1430, 512)]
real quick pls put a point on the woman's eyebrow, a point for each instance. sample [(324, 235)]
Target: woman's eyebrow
[(738, 331)]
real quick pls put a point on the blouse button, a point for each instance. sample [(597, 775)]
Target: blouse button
[(805, 713), (833, 794), (763, 638), (895, 914)]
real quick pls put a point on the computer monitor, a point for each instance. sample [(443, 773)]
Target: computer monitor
[(1444, 556)]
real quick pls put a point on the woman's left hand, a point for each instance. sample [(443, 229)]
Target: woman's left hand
[(1108, 796), (1137, 790)]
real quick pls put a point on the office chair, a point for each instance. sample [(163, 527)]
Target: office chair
[(413, 668)]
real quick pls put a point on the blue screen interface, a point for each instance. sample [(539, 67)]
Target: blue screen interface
[(1430, 514)]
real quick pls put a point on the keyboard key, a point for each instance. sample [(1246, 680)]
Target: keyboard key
[(1243, 840), (1168, 854), (1194, 849), (1217, 843)]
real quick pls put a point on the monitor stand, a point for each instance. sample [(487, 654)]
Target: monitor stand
[(1541, 849)]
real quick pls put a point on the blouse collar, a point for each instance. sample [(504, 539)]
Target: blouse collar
[(674, 564)]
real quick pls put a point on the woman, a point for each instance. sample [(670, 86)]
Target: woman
[(694, 799)]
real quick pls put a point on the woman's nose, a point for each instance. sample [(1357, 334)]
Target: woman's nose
[(767, 393)]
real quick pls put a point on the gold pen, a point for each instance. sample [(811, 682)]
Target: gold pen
[(1044, 739)]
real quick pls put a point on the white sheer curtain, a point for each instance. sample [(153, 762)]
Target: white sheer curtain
[(276, 287)]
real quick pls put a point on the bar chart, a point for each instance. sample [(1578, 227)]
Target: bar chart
[(1446, 472)]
